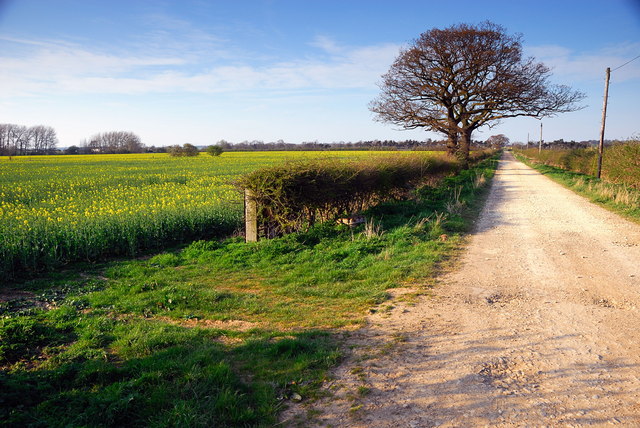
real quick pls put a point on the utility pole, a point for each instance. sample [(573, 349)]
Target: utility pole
[(527, 140), (604, 118), (540, 145)]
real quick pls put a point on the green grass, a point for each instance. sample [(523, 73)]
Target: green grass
[(215, 333), (619, 198)]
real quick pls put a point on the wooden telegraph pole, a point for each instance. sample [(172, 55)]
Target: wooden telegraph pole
[(604, 118), (540, 144)]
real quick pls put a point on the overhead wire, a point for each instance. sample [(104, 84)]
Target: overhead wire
[(626, 63)]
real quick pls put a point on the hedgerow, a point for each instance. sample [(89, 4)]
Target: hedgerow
[(621, 161), (294, 196), (622, 164)]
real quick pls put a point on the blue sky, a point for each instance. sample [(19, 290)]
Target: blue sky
[(199, 71)]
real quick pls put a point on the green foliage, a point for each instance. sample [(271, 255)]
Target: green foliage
[(215, 150), (161, 376), (294, 196), (23, 338), (72, 150)]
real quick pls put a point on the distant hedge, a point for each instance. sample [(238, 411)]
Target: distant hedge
[(293, 196), (620, 164)]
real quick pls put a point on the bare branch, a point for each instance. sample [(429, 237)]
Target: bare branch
[(461, 78)]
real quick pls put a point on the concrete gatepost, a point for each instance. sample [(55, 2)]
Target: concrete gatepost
[(250, 217)]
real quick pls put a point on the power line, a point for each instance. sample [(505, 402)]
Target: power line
[(604, 112), (626, 63)]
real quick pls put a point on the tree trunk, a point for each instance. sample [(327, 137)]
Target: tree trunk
[(465, 145), (452, 143)]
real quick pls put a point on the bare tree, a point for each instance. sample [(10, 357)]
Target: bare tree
[(187, 150), (114, 142), (497, 141), (461, 78), (42, 139), (20, 136), (20, 140), (36, 139), (14, 139), (5, 148), (175, 150)]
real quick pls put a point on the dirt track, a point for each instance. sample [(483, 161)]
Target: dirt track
[(538, 326)]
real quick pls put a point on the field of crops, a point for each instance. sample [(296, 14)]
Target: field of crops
[(56, 209)]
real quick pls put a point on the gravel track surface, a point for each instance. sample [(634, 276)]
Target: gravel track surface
[(539, 325)]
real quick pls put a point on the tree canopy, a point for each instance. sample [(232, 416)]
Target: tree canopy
[(188, 150), (215, 150), (20, 140), (497, 141), (458, 79), (115, 142)]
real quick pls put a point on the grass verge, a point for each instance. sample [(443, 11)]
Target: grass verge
[(619, 198), (217, 333)]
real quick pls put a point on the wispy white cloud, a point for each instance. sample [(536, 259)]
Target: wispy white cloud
[(586, 66), (327, 44), (33, 67), (168, 35), (55, 67)]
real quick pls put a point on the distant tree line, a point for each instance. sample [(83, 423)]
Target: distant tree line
[(494, 141), (20, 140), (114, 142), (187, 149), (258, 145), (561, 144), (42, 140)]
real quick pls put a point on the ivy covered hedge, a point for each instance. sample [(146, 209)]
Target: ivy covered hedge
[(295, 195)]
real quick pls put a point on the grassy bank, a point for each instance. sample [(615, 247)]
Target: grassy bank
[(216, 333), (620, 198)]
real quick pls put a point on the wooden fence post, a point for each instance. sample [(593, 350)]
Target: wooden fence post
[(250, 217)]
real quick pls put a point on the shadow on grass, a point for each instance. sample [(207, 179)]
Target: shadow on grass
[(154, 374)]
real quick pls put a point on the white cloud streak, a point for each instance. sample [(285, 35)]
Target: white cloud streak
[(57, 67), (588, 66)]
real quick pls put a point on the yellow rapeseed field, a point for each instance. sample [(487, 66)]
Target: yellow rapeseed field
[(56, 209)]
